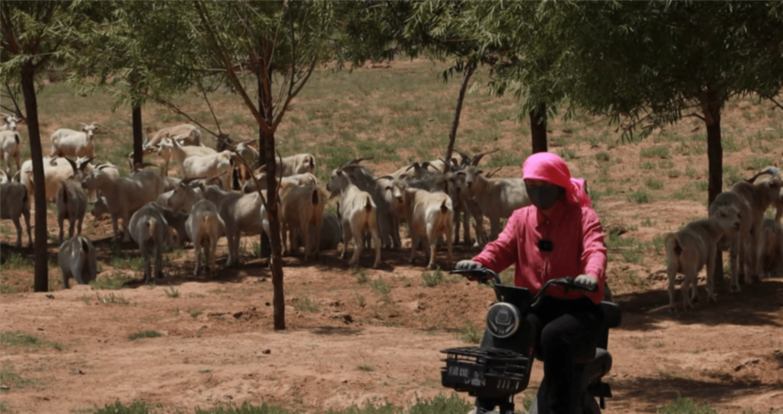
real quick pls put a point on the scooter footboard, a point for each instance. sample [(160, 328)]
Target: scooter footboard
[(485, 372)]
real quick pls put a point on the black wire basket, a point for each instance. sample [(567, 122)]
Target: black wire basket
[(485, 372)]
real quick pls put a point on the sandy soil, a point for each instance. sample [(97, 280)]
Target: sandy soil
[(218, 346)]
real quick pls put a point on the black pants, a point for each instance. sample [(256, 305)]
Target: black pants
[(565, 335)]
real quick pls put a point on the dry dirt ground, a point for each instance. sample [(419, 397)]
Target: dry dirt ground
[(351, 342), (356, 337)]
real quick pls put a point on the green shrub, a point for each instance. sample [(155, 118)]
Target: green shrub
[(145, 334)]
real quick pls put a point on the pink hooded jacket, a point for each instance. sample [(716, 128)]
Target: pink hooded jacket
[(572, 226)]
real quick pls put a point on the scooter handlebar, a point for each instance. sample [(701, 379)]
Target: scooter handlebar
[(482, 274)]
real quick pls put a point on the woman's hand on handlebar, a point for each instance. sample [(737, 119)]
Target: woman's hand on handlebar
[(589, 283), (464, 266)]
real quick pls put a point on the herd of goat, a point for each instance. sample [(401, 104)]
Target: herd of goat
[(434, 198)]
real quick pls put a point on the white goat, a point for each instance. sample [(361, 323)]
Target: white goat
[(187, 134), (3, 176), (496, 197), (358, 214), (772, 249), (388, 228), (125, 195), (10, 149), (166, 151), (69, 143), (300, 209), (205, 227), (242, 214), (690, 249), (291, 165), (216, 165), (56, 170), (293, 180), (77, 260), (15, 202), (429, 216), (759, 197), (149, 228), (250, 155), (11, 122)]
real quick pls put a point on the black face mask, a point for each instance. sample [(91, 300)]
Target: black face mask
[(545, 197)]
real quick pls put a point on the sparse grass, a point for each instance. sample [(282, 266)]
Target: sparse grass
[(648, 165), (121, 260), (602, 156), (470, 333), (633, 256), (21, 340), (305, 305), (507, 276), (114, 281), (195, 312), (171, 292), (567, 153), (16, 261), (136, 407), (702, 186), (756, 163), (204, 371), (382, 288), (653, 184), (658, 151), (686, 406), (360, 300), (432, 279), (365, 368), (112, 299), (144, 334), (648, 223), (640, 197), (10, 378), (360, 274)]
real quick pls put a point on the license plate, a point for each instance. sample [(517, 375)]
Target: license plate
[(467, 374)]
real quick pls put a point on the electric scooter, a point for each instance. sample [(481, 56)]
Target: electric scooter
[(499, 368)]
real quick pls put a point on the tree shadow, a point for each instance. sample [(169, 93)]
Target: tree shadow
[(335, 330), (757, 305), (658, 391)]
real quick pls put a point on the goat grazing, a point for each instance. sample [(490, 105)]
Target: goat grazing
[(690, 249), (77, 260)]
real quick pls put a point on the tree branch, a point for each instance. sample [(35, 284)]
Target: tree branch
[(775, 102)]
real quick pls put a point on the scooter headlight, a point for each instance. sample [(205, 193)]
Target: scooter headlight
[(503, 320)]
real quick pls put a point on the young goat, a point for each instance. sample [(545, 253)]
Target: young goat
[(204, 227), (77, 260), (149, 228), (690, 249), (358, 213)]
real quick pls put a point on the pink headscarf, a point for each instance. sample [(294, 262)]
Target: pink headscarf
[(551, 168)]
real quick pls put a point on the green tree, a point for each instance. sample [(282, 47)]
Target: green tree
[(264, 52), (649, 64), (34, 35)]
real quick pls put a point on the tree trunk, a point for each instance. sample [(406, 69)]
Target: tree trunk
[(265, 250), (138, 135), (538, 128), (41, 277), (276, 258), (711, 107), (466, 74)]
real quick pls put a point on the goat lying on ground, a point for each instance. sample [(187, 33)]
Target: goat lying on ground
[(690, 249), (77, 260)]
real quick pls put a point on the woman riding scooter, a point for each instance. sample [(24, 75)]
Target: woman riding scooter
[(558, 236)]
